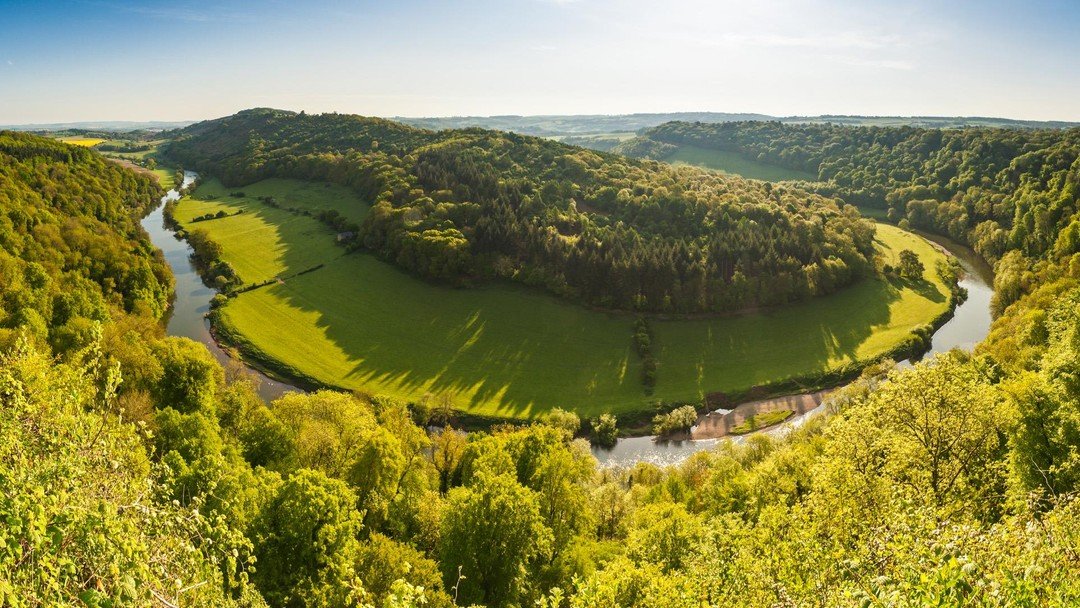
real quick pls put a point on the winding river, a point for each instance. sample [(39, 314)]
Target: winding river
[(969, 325), (192, 302)]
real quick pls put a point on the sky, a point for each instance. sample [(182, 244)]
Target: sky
[(88, 60)]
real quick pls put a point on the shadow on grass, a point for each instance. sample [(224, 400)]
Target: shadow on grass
[(511, 352), (920, 286)]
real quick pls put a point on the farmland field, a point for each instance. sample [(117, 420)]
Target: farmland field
[(86, 142), (359, 323), (731, 162)]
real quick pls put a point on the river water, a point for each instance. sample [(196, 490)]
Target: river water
[(969, 325), (188, 315)]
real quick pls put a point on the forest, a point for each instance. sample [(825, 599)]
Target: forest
[(1012, 195), (135, 471), (464, 206)]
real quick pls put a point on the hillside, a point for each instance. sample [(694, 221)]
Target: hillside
[(952, 479), (71, 250), (304, 308), (461, 207), (998, 190), (563, 126)]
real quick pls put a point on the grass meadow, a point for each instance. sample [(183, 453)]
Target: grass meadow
[(503, 351), (733, 163)]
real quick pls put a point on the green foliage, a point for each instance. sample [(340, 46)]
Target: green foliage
[(1002, 191), (454, 206), (605, 430), (134, 471), (383, 564), (329, 322), (71, 251), (77, 497), (643, 345), (491, 530), (568, 422), (305, 542), (679, 419), (910, 267), (190, 377)]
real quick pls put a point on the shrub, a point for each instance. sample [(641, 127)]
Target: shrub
[(679, 419), (605, 430), (563, 420)]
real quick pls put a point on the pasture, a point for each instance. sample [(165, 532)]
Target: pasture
[(504, 351), (733, 163)]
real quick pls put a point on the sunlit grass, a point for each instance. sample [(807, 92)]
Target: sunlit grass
[(737, 164), (499, 350), (86, 142)]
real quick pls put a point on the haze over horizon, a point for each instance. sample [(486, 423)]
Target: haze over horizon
[(166, 61)]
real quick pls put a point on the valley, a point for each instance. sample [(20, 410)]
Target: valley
[(539, 304), (327, 317)]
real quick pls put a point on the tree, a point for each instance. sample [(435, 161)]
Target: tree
[(190, 376), (382, 562), (568, 422), (910, 266), (605, 430), (327, 429), (305, 543), (491, 531), (937, 431)]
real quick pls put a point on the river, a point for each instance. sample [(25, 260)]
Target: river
[(969, 325), (188, 315)]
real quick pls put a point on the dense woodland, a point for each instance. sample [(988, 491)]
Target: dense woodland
[(468, 205), (135, 471), (71, 250), (1011, 194)]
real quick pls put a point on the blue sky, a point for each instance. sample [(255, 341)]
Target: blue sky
[(175, 60)]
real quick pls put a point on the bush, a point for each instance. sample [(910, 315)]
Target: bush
[(605, 430), (679, 419), (563, 420)]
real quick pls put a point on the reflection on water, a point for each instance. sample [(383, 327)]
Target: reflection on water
[(192, 302), (969, 325)]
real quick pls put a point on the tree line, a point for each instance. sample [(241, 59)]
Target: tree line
[(1012, 195), (471, 205)]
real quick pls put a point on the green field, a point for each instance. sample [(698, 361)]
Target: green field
[(166, 176), (262, 242), (499, 350), (731, 162), (86, 142)]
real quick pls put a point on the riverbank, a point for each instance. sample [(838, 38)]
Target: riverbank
[(968, 325), (799, 395), (191, 301)]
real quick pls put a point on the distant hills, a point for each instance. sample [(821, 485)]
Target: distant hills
[(572, 125), (595, 124), (115, 126)]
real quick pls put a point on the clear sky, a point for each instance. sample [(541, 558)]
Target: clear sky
[(177, 60)]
